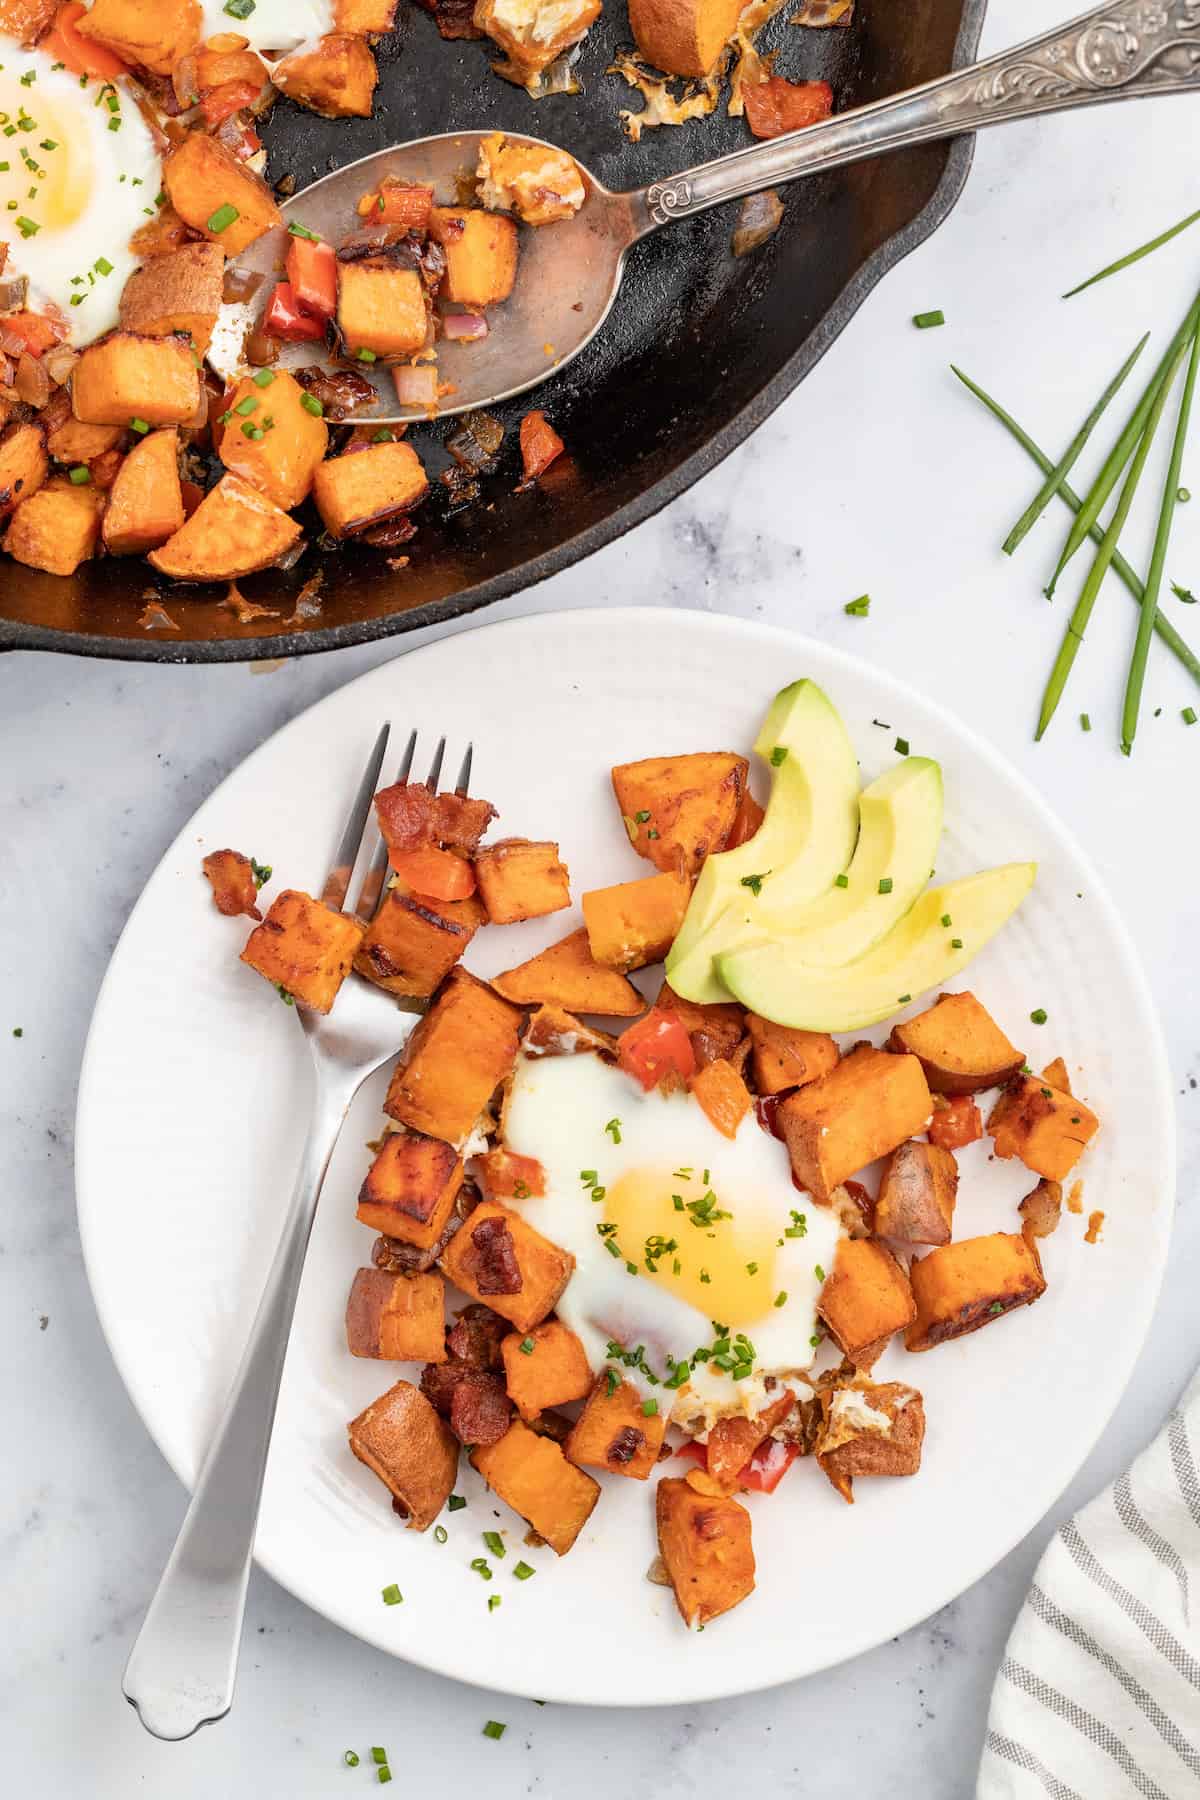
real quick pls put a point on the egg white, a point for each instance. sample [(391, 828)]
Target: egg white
[(273, 25), (557, 1112), (84, 197)]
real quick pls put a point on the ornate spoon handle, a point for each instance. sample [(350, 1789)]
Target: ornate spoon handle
[(1119, 51)]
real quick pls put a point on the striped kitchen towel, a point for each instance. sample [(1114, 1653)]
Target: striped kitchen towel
[(1098, 1696)]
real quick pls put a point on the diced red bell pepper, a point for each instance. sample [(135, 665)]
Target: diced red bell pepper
[(540, 445), (655, 1046), (438, 874), (691, 1451), (64, 44), (284, 318), (768, 1466), (220, 103), (776, 106), (312, 276)]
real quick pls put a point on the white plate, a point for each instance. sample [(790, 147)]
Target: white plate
[(192, 1110)]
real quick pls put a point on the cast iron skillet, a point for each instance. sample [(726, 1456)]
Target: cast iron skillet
[(699, 349)]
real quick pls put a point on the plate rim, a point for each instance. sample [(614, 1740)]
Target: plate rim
[(1158, 1085)]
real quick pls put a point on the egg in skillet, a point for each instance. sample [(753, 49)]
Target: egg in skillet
[(79, 174), (675, 1229)]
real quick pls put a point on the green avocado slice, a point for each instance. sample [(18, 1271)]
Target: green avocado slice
[(805, 840), (919, 953)]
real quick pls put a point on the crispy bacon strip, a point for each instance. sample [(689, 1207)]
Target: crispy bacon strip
[(411, 816)]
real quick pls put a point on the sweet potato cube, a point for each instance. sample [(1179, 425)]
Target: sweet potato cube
[(71, 442), (635, 922), (552, 1031), (206, 182), (539, 184), (531, 1474), (683, 37), (27, 20), (381, 307), (455, 1060), (568, 975), (129, 376), (412, 943), (544, 1367), (363, 18), (962, 1286), (399, 1318), (532, 38), (356, 491), (412, 1450), (1055, 1075), (334, 76), (503, 1175), (866, 1299), (410, 1188), (520, 879), (24, 465), (715, 1029), (304, 948), (614, 1433), (704, 1541), (154, 36), (916, 1197), (180, 291), (145, 502), (498, 1257), (481, 254), (678, 809), (783, 1058), (723, 1094), (283, 459), (955, 1123), (870, 1430), (1049, 1131), (57, 528), (234, 531), (961, 1047), (863, 1108)]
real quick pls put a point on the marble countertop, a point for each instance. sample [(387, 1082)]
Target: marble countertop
[(879, 475)]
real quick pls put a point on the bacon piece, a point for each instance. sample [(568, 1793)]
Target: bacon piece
[(625, 1445), (540, 445), (476, 1336), (496, 1269), (480, 1409), (234, 888), (411, 815)]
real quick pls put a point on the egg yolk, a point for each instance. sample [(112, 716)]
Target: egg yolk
[(45, 169), (714, 1252)]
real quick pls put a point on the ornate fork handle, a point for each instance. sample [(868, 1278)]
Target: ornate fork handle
[(1120, 51)]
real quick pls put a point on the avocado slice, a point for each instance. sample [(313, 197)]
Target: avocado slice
[(919, 952), (805, 840)]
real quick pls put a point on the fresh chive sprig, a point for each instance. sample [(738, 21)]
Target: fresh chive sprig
[(1134, 256)]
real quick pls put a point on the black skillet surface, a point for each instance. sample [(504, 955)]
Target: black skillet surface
[(698, 350)]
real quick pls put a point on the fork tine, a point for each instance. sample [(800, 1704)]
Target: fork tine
[(338, 879), (374, 886), (464, 774), (435, 771)]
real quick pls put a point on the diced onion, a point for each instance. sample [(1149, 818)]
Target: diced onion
[(59, 363), (466, 327), (32, 383), (758, 219), (416, 386), (14, 292), (10, 343)]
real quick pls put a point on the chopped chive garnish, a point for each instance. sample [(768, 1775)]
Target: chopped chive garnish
[(752, 1268), (455, 1503), (781, 1297), (754, 882), (841, 881), (613, 1129), (901, 746), (493, 1602), (223, 218), (649, 1409), (102, 266), (441, 1535), (80, 475), (1085, 721), (311, 404), (141, 426), (378, 1754), (1188, 715), (482, 1567), (494, 1729), (858, 609), (956, 943), (383, 1775), (392, 1595), (885, 884), (350, 1758), (904, 999), (946, 919), (264, 378), (494, 1542), (302, 231), (926, 320), (526, 1346), (246, 406), (1038, 1016), (523, 1571), (1182, 593), (778, 756)]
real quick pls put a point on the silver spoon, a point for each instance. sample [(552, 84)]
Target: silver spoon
[(569, 273)]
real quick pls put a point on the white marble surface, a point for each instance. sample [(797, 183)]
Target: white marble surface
[(878, 475)]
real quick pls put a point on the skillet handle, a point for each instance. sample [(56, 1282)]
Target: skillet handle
[(1119, 51)]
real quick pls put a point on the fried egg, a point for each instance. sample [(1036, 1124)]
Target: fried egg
[(270, 24), (79, 173), (675, 1229)]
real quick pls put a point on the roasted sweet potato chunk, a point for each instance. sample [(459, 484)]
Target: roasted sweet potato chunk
[(863, 1108), (567, 975), (145, 502), (71, 442), (206, 183), (232, 532), (539, 184), (414, 1453), (24, 465), (544, 1367), (715, 1030), (552, 1031), (783, 1058), (271, 439), (635, 922), (381, 307), (455, 1060), (955, 1123), (530, 1473), (356, 491), (399, 1318), (126, 376), (499, 1258), (520, 879), (304, 948), (870, 1429), (532, 37), (153, 34), (503, 1175), (179, 291), (965, 1285), (26, 20), (678, 809), (1049, 1131), (410, 1189), (961, 1047), (57, 528), (614, 1432), (481, 254), (915, 1204), (866, 1299), (334, 76), (704, 1541), (683, 37), (363, 18), (723, 1094), (412, 943)]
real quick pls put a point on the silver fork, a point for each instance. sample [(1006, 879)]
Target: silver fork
[(183, 1665)]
